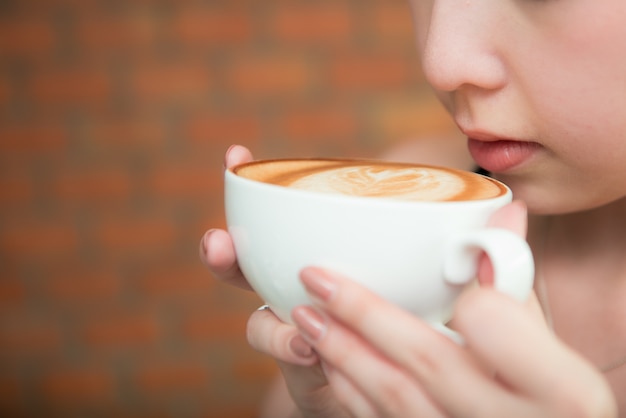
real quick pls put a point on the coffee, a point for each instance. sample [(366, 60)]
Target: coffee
[(369, 178)]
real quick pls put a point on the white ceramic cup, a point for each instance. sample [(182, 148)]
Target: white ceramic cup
[(416, 254)]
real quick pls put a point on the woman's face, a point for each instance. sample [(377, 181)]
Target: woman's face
[(539, 88)]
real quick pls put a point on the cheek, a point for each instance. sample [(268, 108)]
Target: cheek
[(577, 90), (580, 68), (583, 121)]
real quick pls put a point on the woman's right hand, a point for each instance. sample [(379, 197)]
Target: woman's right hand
[(266, 333), (216, 247)]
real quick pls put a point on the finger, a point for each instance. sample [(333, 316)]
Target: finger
[(387, 387), (237, 154), (513, 217), (445, 370), (367, 313), (268, 334), (348, 396), (507, 336), (218, 254), (309, 388)]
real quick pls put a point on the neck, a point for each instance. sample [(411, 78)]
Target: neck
[(594, 232), (581, 280)]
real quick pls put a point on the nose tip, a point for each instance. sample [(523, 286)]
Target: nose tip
[(448, 69), (460, 50)]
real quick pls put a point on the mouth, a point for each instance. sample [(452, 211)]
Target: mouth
[(497, 154), (501, 155)]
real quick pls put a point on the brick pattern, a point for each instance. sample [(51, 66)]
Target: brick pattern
[(114, 117)]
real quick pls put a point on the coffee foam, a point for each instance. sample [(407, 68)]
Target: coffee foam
[(374, 179)]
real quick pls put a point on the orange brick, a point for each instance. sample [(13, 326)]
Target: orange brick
[(367, 72), (328, 23), (119, 33), (93, 185), (78, 86), (311, 123), (16, 191), (78, 385), (23, 334), (227, 128), (212, 27), (270, 74), (83, 286), (119, 132), (46, 6), (406, 117), (166, 81), (392, 24), (32, 138), (135, 235), (181, 282), (166, 377), (5, 90), (184, 180), (26, 37), (11, 394), (12, 292), (122, 330), (34, 238)]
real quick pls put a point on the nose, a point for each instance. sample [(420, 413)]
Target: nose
[(461, 45)]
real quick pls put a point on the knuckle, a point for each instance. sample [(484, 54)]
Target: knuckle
[(268, 335), (252, 334), (354, 306), (398, 392), (426, 362)]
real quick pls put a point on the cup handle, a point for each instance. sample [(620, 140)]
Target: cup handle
[(510, 256)]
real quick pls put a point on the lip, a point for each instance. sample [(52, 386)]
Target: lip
[(499, 154)]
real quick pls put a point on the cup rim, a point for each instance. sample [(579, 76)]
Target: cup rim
[(232, 173)]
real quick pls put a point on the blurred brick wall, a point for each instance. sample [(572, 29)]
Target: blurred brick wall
[(114, 117)]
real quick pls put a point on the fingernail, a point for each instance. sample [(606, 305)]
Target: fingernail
[(318, 284), (310, 323), (300, 347), (203, 245), (205, 239), (225, 163)]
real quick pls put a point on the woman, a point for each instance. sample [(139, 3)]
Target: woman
[(538, 88)]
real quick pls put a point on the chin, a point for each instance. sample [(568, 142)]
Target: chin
[(546, 201), (540, 199)]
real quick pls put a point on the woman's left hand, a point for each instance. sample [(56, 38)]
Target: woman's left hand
[(382, 361)]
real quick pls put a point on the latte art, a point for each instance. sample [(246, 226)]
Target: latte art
[(373, 179), (398, 183)]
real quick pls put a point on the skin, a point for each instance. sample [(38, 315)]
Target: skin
[(538, 88), (553, 74)]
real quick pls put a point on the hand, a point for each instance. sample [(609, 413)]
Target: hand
[(304, 376), (216, 247), (299, 364), (384, 362)]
